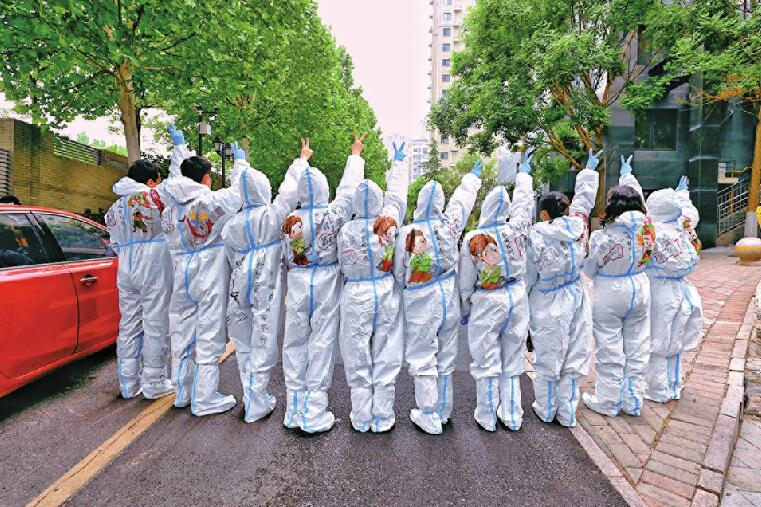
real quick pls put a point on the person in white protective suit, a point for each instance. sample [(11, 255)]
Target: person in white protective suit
[(314, 292), (257, 285), (676, 311), (144, 280), (371, 333), (425, 259), (619, 254), (193, 229), (561, 310), (494, 301)]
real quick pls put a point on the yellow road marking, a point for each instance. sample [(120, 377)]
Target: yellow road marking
[(81, 473)]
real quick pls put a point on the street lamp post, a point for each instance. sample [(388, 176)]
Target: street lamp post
[(224, 150), (204, 128)]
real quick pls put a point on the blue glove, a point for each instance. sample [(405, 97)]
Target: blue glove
[(464, 320), (525, 166), (594, 159), (398, 152), (238, 153), (684, 183), (177, 137), (477, 168), (626, 166)]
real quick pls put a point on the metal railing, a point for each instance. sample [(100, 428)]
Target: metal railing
[(732, 206)]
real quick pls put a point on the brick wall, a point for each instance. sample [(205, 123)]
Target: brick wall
[(41, 178)]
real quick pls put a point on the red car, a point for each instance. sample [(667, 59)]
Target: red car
[(58, 295)]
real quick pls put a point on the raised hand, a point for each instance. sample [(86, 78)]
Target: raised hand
[(177, 137), (626, 166), (238, 153), (306, 151), (477, 168), (398, 152), (357, 147), (594, 159), (684, 184), (525, 166)]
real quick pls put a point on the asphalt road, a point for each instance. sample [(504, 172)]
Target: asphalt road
[(52, 424)]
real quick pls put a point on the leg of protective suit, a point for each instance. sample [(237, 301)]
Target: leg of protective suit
[(388, 352), (356, 329), (182, 325), (513, 340), (130, 340), (577, 358), (611, 302), (487, 316), (636, 335), (667, 331), (550, 323), (209, 286), (545, 396), (157, 293), (658, 378), (693, 329), (447, 354), (295, 340), (423, 316), (239, 330), (323, 342)]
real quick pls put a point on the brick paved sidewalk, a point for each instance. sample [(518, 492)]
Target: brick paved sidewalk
[(678, 453), (743, 487)]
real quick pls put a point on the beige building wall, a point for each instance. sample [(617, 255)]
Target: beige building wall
[(42, 171), (446, 38)]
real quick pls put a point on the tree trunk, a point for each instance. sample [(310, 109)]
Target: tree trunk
[(600, 198), (128, 111), (755, 174)]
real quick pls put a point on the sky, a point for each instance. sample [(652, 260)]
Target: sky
[(388, 41)]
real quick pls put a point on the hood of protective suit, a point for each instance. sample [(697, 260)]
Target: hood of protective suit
[(312, 188), (496, 207), (561, 228), (183, 189), (430, 201), (662, 205), (368, 200), (255, 188), (128, 186)]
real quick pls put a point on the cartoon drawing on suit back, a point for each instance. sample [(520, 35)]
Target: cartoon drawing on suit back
[(294, 229), (415, 245), (199, 224), (483, 248), (646, 239), (138, 221), (385, 228), (692, 236)]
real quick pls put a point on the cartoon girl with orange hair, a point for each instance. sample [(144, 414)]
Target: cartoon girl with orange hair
[(484, 248), (420, 263), (385, 228), (293, 228)]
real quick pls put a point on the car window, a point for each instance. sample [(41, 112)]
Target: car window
[(78, 239), (20, 245)]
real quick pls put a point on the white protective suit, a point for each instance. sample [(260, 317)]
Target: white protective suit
[(257, 286), (561, 310), (144, 279), (676, 313), (618, 256), (314, 292), (371, 332), (193, 229), (493, 293), (424, 264)]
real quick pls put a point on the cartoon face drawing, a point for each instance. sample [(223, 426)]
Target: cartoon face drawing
[(692, 236), (415, 244), (484, 248), (138, 200), (646, 239), (385, 228), (294, 229), (199, 224)]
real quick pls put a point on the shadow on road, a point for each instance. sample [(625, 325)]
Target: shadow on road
[(58, 382)]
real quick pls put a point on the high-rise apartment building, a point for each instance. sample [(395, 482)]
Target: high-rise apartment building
[(446, 38)]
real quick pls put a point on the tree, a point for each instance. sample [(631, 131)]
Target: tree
[(722, 45), (62, 59), (546, 79), (433, 164)]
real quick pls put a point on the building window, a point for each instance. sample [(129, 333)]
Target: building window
[(444, 93), (447, 2), (445, 78), (655, 129), (444, 155), (445, 140), (446, 47), (447, 16), (446, 32), (445, 62)]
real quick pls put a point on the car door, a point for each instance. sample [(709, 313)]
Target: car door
[(92, 264), (38, 302)]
